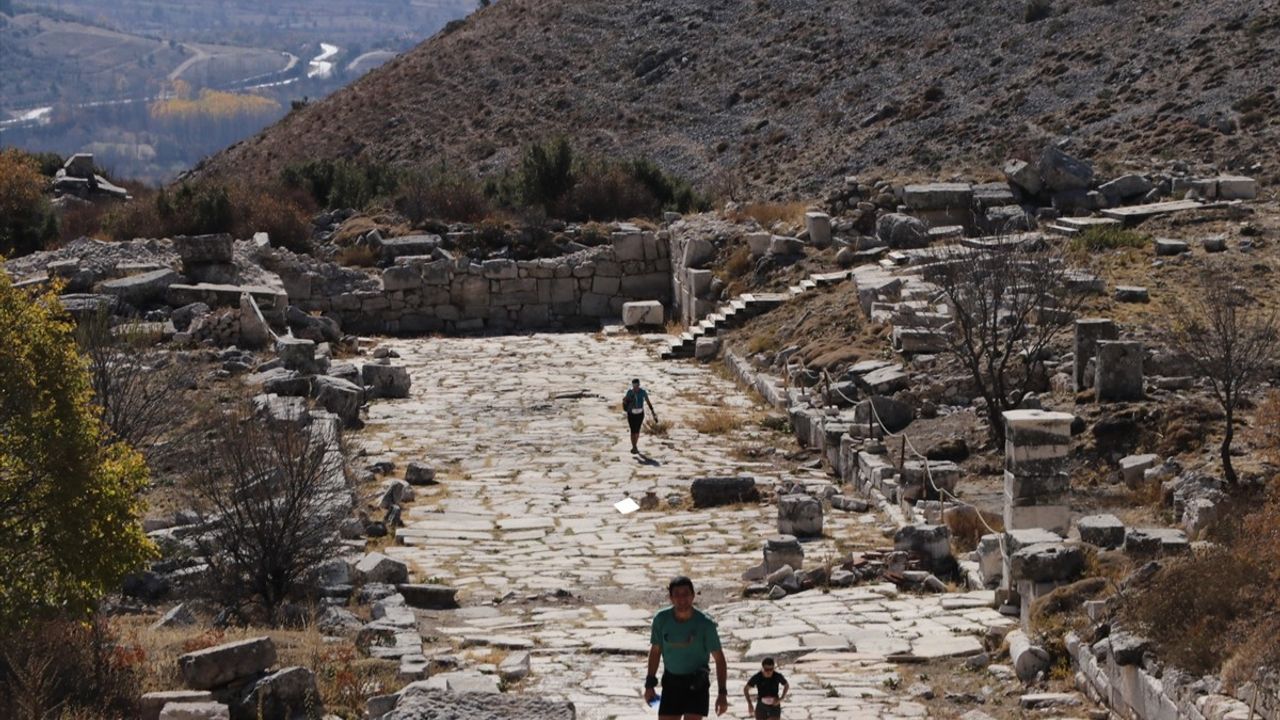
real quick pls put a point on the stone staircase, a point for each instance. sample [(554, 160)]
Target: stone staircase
[(737, 311)]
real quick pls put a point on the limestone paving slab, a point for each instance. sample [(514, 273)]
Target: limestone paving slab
[(531, 451)]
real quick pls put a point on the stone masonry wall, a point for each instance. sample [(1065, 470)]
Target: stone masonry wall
[(423, 294)]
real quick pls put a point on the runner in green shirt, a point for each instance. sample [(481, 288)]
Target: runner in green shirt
[(683, 637)]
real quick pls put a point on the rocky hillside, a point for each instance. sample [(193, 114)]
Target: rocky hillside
[(783, 96)]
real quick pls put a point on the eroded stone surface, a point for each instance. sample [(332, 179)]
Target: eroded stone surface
[(532, 451)]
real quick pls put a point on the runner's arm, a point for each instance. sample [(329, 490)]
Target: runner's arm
[(655, 654), (722, 673), (786, 688)]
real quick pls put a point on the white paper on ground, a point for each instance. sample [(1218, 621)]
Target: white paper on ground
[(627, 505)]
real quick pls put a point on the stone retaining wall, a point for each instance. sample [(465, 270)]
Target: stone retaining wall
[(1132, 692), (435, 293)]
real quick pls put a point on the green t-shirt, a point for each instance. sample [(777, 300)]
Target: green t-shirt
[(685, 645)]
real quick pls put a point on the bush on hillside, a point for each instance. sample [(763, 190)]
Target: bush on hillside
[(27, 222), (240, 209)]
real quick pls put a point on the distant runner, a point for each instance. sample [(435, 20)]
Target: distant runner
[(633, 404), (767, 682)]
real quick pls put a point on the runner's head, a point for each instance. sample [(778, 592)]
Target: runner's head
[(767, 665), (635, 383), (680, 590)]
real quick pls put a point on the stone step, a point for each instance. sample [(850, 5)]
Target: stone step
[(1063, 230), (808, 284), (830, 278)]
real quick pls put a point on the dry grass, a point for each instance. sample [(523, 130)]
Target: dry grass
[(674, 327), (768, 213), (763, 342), (356, 256), (657, 428), (344, 678), (717, 421), (738, 263)]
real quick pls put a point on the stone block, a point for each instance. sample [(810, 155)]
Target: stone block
[(195, 711), (931, 476), (938, 196), (698, 252), (1118, 376), (1023, 175), (758, 242), (297, 354), (698, 282), (286, 693), (1047, 562), (1125, 187), (1104, 530), (141, 289), (1166, 247), (1154, 542), (1132, 467), (223, 664), (800, 515), (1060, 172), (153, 702), (628, 246), (1132, 294), (1234, 187), (198, 250), (385, 381), (392, 248), (340, 397), (931, 543), (1088, 331), (818, 225), (902, 232), (378, 568), (782, 551), (429, 596), (500, 269), (714, 491), (706, 348), (1023, 489), (643, 314), (1035, 428), (401, 277), (1028, 660), (1056, 517), (884, 381), (990, 560), (786, 246), (1214, 244)]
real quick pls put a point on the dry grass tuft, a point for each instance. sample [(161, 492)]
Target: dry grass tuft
[(356, 256), (658, 428), (717, 421), (738, 263), (768, 213)]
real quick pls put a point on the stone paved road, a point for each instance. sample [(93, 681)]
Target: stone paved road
[(532, 450)]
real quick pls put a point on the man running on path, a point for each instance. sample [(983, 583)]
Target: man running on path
[(682, 637), (633, 404)]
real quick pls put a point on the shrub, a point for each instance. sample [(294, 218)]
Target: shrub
[(27, 223), (1192, 608), (279, 494), (1037, 10), (69, 503), (342, 183), (441, 193), (240, 209), (606, 191), (60, 667), (546, 174), (1108, 237)]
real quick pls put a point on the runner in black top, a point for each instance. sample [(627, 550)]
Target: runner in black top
[(633, 404), (767, 682)]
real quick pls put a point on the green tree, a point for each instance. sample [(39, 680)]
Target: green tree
[(546, 174), (69, 503)]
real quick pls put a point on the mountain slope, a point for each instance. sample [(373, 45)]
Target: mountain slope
[(790, 95)]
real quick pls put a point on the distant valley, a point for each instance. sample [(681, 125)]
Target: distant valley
[(150, 88)]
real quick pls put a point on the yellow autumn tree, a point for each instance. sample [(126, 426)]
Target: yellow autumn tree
[(69, 499), (24, 210)]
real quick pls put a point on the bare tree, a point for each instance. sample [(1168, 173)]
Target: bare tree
[(272, 495), (1230, 341), (1009, 301), (135, 388)]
